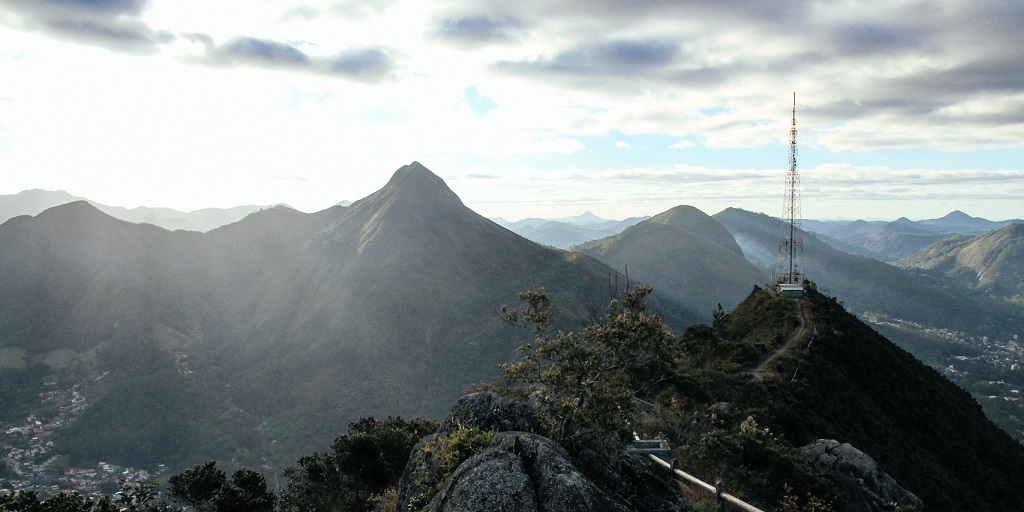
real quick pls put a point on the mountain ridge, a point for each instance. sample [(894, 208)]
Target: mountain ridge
[(383, 307)]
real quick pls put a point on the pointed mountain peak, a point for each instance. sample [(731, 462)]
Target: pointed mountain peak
[(416, 182), (957, 215), (414, 172), (586, 217)]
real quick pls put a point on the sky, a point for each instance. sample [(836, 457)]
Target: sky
[(533, 108)]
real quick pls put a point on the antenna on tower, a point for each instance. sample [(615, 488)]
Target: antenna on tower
[(789, 276)]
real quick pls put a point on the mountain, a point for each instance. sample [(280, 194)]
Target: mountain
[(959, 222), (992, 263), (867, 285), (584, 218), (846, 382), (32, 202), (685, 255), (276, 330), (890, 241), (569, 231)]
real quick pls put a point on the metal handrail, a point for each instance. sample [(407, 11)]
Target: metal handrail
[(719, 493)]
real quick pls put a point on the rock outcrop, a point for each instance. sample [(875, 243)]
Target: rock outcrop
[(490, 411), (870, 488), (517, 471)]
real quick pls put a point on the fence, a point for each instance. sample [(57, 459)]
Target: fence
[(720, 491)]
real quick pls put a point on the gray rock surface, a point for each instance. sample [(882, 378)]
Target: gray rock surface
[(491, 480), (870, 488), (517, 471), (490, 411)]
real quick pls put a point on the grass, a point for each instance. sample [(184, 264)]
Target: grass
[(12, 357), (60, 358)]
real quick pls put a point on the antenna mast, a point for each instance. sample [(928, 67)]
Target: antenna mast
[(788, 276)]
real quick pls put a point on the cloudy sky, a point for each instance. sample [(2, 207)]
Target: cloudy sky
[(526, 108)]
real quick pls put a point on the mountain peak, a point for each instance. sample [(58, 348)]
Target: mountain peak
[(415, 181), (586, 217), (689, 218), (76, 211), (957, 215)]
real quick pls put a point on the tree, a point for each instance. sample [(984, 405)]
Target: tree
[(206, 487), (247, 492), (588, 381), (362, 464), (198, 486)]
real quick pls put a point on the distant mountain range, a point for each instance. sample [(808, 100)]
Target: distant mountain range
[(566, 232), (33, 202), (890, 241), (885, 241)]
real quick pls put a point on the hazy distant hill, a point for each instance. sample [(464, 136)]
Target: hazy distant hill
[(959, 222), (566, 232), (992, 263), (685, 255), (32, 202), (890, 241), (284, 326)]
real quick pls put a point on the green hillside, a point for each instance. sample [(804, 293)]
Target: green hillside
[(685, 256), (991, 264), (277, 330), (842, 381)]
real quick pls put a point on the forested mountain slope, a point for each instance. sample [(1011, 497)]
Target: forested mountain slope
[(684, 255), (283, 327), (991, 264)]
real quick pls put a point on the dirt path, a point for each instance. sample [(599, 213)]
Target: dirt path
[(761, 370)]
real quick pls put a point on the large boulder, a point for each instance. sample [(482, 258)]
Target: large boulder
[(490, 411), (870, 488), (493, 480), (516, 470)]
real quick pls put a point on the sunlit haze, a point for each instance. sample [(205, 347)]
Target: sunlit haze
[(528, 108)]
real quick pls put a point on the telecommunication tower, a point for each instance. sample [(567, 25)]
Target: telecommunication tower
[(789, 276)]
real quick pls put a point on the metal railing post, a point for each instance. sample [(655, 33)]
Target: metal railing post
[(721, 489)]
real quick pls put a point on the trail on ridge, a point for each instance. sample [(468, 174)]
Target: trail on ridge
[(761, 370)]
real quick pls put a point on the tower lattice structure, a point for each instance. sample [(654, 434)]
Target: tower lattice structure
[(791, 245)]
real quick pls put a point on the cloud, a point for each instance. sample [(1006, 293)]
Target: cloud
[(366, 64), (859, 39), (361, 9), (261, 52), (613, 57), (369, 64), (480, 28), (116, 25), (613, 64)]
